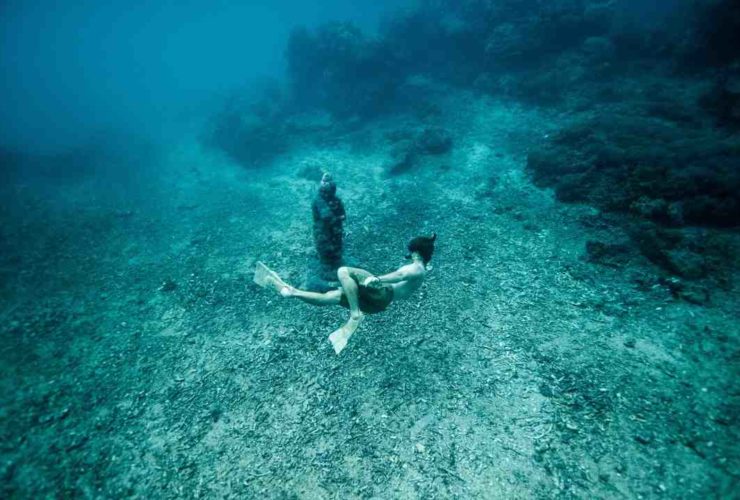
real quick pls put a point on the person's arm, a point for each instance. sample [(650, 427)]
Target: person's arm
[(402, 274)]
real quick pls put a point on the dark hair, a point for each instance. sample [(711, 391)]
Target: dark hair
[(424, 246)]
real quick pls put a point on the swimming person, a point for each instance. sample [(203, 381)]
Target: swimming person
[(361, 292)]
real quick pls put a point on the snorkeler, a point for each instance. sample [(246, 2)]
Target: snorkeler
[(360, 291)]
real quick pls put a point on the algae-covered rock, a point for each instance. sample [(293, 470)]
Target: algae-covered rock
[(249, 139), (339, 69), (434, 141), (607, 254), (644, 166), (410, 146)]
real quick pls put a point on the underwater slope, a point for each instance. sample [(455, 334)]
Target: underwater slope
[(563, 345), (520, 371)]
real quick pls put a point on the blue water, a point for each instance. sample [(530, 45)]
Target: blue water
[(570, 332)]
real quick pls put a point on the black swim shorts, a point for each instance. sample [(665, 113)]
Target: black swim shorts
[(374, 297)]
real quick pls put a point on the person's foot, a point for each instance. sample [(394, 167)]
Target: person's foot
[(287, 291), (340, 337), (267, 278)]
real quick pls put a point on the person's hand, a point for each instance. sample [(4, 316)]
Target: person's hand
[(371, 280)]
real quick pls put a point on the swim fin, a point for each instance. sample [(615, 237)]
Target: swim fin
[(267, 278), (340, 336)]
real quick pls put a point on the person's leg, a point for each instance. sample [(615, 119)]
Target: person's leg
[(347, 278), (264, 276), (350, 289), (330, 298), (267, 278)]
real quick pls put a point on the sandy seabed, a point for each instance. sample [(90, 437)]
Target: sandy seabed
[(520, 370)]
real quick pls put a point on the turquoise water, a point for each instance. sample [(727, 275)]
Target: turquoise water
[(575, 334)]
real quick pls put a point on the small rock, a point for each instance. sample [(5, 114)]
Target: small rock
[(546, 391), (695, 294), (215, 414), (686, 263), (311, 172), (607, 254), (167, 286), (403, 160), (434, 141), (643, 439), (674, 285), (630, 343)]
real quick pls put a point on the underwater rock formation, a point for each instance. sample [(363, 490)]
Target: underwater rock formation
[(252, 133), (339, 70), (248, 140), (328, 234), (559, 51), (670, 174), (659, 152), (434, 141), (409, 147), (506, 47), (714, 37), (646, 167), (607, 254), (722, 101)]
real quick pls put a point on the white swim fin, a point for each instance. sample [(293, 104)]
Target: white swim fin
[(267, 278), (340, 336)]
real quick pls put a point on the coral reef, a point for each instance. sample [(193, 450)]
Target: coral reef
[(668, 173), (251, 134), (722, 101), (408, 147), (338, 69), (652, 94), (644, 166), (714, 36)]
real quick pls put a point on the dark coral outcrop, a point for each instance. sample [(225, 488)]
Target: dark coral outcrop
[(645, 166), (338, 69)]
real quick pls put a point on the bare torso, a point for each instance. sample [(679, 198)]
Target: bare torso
[(414, 276)]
